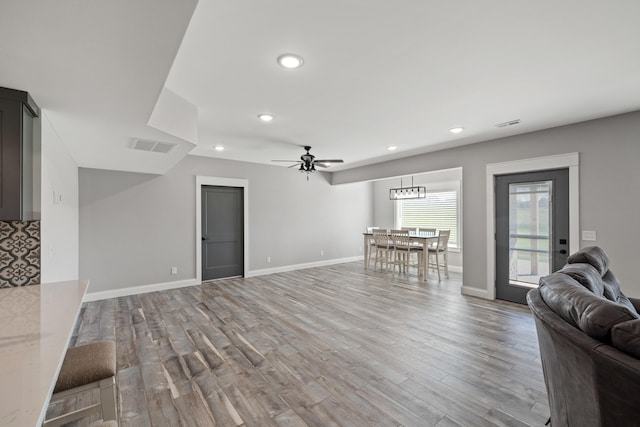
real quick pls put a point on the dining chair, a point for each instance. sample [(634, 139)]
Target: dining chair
[(422, 230), (403, 249), (428, 231), (371, 245), (441, 249), (383, 246)]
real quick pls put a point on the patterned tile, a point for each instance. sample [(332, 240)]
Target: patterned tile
[(19, 253)]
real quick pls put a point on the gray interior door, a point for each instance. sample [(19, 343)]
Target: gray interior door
[(532, 230), (222, 232)]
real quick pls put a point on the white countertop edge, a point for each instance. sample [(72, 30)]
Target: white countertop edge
[(43, 412)]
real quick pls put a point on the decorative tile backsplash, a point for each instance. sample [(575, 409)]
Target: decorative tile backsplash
[(19, 253)]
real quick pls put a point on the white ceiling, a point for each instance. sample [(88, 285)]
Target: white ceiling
[(376, 73)]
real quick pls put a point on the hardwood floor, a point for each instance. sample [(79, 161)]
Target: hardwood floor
[(328, 346)]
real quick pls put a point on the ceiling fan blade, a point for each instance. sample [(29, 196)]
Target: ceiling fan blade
[(288, 161), (295, 165), (329, 161), (320, 165)]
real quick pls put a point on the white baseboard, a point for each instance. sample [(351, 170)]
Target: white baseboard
[(284, 268), (475, 292), (134, 290)]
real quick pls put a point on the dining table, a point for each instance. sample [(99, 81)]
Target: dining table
[(419, 238), (36, 325)]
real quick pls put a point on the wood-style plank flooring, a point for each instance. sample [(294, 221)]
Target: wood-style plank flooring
[(327, 346)]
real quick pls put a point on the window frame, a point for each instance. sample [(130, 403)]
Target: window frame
[(438, 187)]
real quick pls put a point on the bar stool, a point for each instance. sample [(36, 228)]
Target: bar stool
[(88, 367)]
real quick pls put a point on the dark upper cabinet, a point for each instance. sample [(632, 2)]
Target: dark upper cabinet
[(17, 114)]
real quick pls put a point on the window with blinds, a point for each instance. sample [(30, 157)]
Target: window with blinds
[(438, 210)]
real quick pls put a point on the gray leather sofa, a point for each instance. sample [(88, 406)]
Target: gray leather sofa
[(589, 337)]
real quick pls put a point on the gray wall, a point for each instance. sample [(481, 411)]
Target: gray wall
[(609, 180), (135, 227)]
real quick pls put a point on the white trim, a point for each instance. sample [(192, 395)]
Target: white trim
[(294, 267), (143, 289), (475, 292), (222, 182), (571, 161), (135, 290)]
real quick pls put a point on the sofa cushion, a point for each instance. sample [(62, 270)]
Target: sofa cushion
[(586, 275), (591, 255), (596, 257), (625, 337), (578, 306), (612, 291)]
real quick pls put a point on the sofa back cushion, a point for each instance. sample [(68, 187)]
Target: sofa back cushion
[(580, 307), (591, 255), (612, 290), (598, 259), (586, 275)]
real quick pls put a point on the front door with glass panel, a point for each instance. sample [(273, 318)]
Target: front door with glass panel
[(532, 230)]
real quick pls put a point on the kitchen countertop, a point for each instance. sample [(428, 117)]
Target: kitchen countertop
[(36, 323)]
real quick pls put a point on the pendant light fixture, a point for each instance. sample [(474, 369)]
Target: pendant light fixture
[(407, 193)]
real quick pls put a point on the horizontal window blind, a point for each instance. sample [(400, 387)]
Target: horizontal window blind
[(438, 210)]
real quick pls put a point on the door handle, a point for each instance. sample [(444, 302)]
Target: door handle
[(204, 238), (562, 251)]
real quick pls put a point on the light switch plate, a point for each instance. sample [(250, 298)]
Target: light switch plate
[(589, 236)]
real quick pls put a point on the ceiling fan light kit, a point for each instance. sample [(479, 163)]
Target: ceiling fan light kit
[(408, 193), (308, 162)]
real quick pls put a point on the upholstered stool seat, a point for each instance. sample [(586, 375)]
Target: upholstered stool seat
[(84, 368)]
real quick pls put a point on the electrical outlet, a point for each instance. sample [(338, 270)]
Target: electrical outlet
[(359, 248), (589, 236), (321, 252), (268, 259), (174, 270)]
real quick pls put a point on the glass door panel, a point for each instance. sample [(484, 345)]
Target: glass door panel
[(529, 232)]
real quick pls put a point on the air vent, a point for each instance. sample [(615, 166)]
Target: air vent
[(154, 146), (509, 123)]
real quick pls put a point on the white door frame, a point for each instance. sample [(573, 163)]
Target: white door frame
[(221, 182), (561, 161)]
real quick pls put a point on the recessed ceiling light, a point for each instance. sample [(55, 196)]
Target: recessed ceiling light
[(265, 117), (218, 147), (289, 60), (392, 147), (456, 130)]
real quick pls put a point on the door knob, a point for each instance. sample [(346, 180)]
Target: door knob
[(562, 251)]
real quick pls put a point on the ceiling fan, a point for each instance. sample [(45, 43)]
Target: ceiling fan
[(308, 162)]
